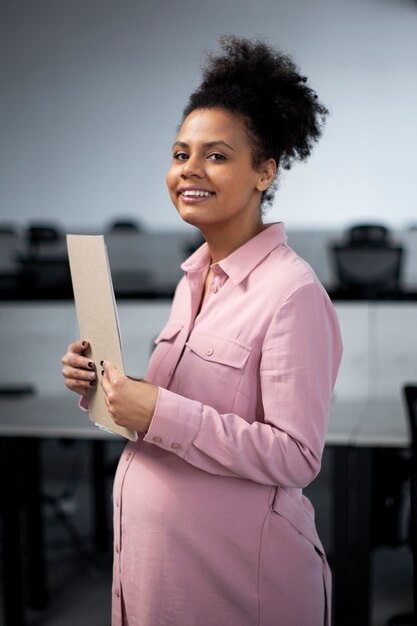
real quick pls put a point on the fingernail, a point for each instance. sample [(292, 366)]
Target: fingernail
[(102, 372), (101, 363), (90, 364), (92, 375), (83, 343), (92, 383)]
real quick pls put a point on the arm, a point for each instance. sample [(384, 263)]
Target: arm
[(300, 356)]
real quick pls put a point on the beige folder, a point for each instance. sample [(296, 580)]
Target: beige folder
[(97, 318)]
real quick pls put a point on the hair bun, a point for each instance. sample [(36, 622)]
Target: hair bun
[(262, 84)]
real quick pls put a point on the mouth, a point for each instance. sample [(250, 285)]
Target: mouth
[(191, 195)]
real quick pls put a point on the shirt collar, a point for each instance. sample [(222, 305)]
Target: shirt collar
[(242, 261)]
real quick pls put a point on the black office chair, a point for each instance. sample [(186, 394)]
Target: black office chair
[(8, 228), (39, 233), (125, 225), (43, 267), (410, 397), (368, 265), (10, 246), (375, 235)]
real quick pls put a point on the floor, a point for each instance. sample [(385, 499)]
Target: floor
[(80, 579)]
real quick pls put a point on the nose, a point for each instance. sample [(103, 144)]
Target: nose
[(193, 167)]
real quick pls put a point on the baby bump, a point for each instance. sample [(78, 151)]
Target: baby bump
[(204, 529)]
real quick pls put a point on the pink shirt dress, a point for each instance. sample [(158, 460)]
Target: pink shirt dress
[(210, 524)]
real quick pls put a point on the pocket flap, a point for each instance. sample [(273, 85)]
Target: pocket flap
[(169, 331), (301, 518), (219, 349)]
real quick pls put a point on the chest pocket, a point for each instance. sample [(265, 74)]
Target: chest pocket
[(214, 367), (220, 350), (161, 361), (169, 332)]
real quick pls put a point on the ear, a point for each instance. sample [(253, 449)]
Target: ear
[(267, 173)]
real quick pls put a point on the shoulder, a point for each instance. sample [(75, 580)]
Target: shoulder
[(284, 273)]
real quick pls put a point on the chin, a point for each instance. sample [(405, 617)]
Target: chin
[(191, 215)]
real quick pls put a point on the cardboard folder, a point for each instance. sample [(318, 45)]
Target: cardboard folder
[(97, 318)]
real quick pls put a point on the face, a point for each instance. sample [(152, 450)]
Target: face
[(211, 180)]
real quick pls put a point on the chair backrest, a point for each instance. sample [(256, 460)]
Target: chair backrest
[(368, 270), (125, 225), (368, 235), (39, 234), (367, 264)]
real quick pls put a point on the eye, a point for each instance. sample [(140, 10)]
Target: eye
[(216, 156), (180, 156)]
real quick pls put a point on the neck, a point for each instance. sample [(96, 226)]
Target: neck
[(222, 243)]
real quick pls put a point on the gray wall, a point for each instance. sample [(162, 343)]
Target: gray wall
[(92, 90)]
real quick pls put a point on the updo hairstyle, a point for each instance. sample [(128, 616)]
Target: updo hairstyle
[(263, 85)]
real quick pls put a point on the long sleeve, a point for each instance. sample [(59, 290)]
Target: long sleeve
[(299, 358)]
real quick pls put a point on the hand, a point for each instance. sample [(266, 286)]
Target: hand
[(131, 403), (79, 371)]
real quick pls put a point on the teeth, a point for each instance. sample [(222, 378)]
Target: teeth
[(196, 192)]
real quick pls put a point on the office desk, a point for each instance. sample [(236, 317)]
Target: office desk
[(355, 428), (24, 423), (381, 423)]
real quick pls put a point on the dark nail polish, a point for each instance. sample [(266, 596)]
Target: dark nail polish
[(102, 372), (90, 364), (92, 383), (101, 363), (83, 343)]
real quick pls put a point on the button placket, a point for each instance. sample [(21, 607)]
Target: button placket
[(118, 539)]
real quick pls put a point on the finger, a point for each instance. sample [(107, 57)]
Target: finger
[(107, 388), (111, 372), (76, 373), (79, 346), (75, 360), (110, 379), (80, 387)]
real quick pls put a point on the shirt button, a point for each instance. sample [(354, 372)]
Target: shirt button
[(117, 592), (175, 446), (128, 455), (117, 503), (157, 439), (117, 548), (214, 289), (209, 351)]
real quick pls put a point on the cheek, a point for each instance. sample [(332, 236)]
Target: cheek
[(224, 182), (171, 180)]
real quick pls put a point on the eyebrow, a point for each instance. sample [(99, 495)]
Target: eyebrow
[(209, 144)]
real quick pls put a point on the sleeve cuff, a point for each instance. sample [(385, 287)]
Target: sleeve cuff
[(175, 423)]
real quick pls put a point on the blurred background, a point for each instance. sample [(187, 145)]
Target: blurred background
[(92, 93)]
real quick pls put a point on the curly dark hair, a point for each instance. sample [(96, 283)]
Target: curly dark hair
[(263, 85)]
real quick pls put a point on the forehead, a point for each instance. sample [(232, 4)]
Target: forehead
[(208, 125)]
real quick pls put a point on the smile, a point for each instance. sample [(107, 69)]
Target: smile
[(190, 195), (196, 193)]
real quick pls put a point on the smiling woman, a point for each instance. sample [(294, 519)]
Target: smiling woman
[(212, 180), (210, 523)]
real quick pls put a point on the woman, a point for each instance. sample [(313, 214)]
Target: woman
[(211, 527)]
